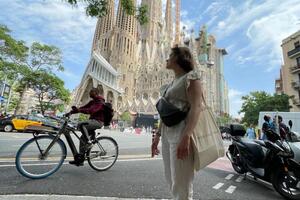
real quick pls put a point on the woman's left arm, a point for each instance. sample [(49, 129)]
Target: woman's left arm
[(195, 100)]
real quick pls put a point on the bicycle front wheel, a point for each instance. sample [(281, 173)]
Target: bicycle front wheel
[(31, 161), (103, 154)]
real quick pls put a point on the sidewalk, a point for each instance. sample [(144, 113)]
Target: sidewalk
[(60, 197)]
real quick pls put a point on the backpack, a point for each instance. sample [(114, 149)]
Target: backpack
[(108, 113)]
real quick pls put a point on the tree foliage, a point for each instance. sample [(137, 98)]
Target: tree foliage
[(257, 101), (32, 68), (126, 116), (13, 53), (99, 8), (48, 88)]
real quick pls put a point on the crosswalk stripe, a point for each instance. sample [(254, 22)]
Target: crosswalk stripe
[(231, 189), (218, 186), (229, 176)]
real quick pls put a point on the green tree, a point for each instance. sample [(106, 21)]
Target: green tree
[(40, 58), (259, 101), (98, 8), (48, 88), (13, 54), (126, 116)]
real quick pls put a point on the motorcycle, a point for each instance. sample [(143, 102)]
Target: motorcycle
[(275, 160)]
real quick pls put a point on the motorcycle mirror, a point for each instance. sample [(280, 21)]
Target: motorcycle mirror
[(290, 123)]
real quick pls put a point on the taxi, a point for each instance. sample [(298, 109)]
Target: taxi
[(19, 123)]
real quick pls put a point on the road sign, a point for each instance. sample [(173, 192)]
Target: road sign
[(2, 43)]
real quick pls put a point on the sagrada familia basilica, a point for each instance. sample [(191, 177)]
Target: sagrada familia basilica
[(128, 59)]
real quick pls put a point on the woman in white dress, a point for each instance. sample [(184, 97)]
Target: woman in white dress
[(185, 93)]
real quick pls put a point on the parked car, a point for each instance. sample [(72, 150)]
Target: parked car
[(18, 122), (21, 122)]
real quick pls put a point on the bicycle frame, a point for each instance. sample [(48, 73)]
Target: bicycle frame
[(64, 130)]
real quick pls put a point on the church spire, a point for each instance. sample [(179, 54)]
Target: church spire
[(104, 25), (169, 21), (177, 27)]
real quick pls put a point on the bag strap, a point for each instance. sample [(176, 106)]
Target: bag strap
[(167, 88)]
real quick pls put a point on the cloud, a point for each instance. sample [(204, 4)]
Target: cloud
[(260, 27), (235, 102), (216, 7), (51, 22)]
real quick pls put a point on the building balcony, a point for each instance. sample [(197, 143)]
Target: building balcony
[(294, 52), (296, 85), (295, 69)]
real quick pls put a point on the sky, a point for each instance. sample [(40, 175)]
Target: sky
[(250, 30)]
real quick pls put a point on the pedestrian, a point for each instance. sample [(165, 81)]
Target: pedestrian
[(250, 133), (283, 129), (185, 93), (267, 126)]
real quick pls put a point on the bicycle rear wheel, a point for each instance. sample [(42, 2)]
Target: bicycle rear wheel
[(31, 162), (103, 154)]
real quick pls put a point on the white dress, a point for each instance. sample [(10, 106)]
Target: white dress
[(179, 173)]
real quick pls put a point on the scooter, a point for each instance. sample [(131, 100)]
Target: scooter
[(275, 160)]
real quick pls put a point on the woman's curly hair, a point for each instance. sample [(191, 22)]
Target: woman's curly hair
[(183, 58)]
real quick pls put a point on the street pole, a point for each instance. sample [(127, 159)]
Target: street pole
[(2, 91), (8, 100)]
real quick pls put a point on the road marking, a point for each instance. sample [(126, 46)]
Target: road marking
[(218, 186), (37, 196), (231, 189), (120, 158), (239, 179), (229, 176), (66, 162)]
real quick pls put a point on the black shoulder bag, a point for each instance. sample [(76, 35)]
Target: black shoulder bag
[(169, 114)]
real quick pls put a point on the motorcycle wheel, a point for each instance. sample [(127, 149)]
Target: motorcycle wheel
[(286, 184), (237, 164)]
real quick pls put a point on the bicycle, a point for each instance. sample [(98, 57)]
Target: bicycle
[(43, 155)]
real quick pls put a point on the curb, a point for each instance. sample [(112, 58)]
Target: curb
[(62, 197)]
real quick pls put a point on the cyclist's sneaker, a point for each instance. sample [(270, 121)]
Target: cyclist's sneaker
[(75, 162)]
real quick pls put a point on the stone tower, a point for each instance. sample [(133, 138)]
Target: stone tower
[(138, 54), (103, 36), (123, 51), (177, 22), (169, 23)]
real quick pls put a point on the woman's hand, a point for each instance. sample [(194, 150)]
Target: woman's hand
[(154, 146), (183, 149)]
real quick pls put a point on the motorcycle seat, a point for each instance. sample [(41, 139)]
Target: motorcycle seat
[(260, 142)]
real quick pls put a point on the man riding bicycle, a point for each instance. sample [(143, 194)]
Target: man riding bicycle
[(95, 109)]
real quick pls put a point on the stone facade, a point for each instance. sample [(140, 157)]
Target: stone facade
[(138, 54), (290, 70)]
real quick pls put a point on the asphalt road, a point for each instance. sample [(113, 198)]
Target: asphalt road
[(128, 178)]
